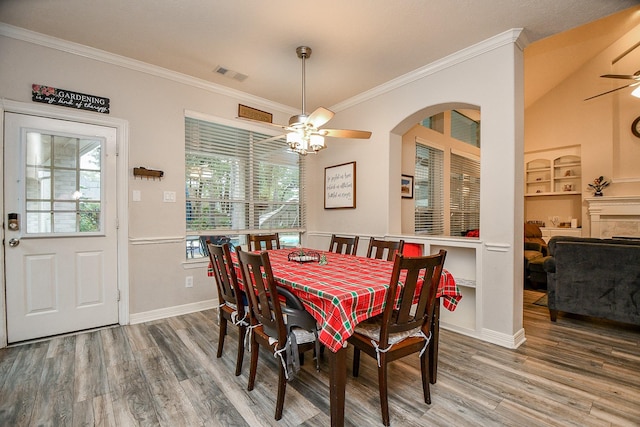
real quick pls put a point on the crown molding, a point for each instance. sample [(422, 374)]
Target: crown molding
[(135, 65), (513, 36)]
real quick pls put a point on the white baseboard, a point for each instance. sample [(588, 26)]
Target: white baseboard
[(163, 313), (509, 341)]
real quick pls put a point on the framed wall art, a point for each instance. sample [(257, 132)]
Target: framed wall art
[(406, 186), (340, 186)]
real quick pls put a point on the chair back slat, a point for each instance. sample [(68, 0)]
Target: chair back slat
[(344, 244), (262, 294), (378, 248), (263, 242), (225, 276), (419, 278)]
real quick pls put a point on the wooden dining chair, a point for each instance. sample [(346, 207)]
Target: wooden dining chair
[(285, 339), (230, 298), (399, 330), (344, 244), (377, 248), (263, 242)]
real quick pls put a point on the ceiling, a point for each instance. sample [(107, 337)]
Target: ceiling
[(357, 44)]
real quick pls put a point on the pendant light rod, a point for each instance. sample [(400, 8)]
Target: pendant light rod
[(303, 53)]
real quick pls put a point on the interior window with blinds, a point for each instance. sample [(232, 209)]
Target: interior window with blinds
[(464, 203), (238, 183), (429, 190)]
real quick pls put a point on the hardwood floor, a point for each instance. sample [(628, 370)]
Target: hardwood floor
[(576, 372)]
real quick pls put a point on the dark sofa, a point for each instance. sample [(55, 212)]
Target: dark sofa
[(594, 277)]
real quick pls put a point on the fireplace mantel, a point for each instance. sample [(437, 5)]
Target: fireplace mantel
[(614, 216)]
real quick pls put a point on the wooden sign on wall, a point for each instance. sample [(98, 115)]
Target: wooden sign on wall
[(254, 114), (66, 98)]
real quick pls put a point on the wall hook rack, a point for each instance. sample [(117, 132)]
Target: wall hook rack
[(147, 173)]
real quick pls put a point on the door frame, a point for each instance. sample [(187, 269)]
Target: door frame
[(122, 185)]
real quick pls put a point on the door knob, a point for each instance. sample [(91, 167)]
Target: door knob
[(14, 242)]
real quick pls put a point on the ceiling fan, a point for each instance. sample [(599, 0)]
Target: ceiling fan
[(304, 133), (635, 76)]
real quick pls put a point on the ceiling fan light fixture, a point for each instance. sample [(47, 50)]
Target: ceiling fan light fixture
[(317, 142), (294, 139), (304, 134), (298, 143), (636, 92)]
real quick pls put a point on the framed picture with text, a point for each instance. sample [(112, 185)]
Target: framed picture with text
[(340, 186), (406, 186)]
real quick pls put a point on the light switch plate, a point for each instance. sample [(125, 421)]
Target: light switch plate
[(169, 197), (136, 196)]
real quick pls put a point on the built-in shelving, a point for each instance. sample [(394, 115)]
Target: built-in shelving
[(553, 172), (464, 262)]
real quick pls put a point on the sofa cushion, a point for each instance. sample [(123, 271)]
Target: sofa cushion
[(595, 277)]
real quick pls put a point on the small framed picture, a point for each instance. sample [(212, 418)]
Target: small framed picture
[(406, 187)]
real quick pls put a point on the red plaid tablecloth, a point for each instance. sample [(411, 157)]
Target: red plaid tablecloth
[(345, 291)]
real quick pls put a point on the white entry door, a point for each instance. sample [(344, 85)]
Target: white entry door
[(60, 226)]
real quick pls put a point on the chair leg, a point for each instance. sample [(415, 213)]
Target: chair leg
[(356, 361), (240, 358), (282, 388), (382, 385), (223, 333), (255, 349), (424, 368)]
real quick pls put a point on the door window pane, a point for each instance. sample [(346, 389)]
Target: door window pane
[(63, 184)]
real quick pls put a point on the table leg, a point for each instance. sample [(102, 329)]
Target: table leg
[(433, 348), (337, 383)]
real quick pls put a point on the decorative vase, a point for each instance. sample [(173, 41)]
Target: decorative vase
[(598, 194)]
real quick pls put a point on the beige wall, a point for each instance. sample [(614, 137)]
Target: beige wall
[(153, 103), (600, 126), (154, 108)]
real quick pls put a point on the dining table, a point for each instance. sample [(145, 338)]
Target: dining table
[(341, 291)]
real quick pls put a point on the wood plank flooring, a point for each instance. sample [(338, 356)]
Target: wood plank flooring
[(576, 372)]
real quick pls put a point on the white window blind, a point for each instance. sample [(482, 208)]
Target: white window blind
[(237, 184), (429, 190), (465, 194), (465, 129)]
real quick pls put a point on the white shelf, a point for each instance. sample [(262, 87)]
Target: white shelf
[(567, 165), (467, 283), (557, 193)]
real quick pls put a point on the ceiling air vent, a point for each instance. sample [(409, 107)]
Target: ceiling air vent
[(230, 73)]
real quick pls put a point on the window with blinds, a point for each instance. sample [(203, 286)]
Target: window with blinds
[(464, 203), (429, 190), (465, 129), (238, 184)]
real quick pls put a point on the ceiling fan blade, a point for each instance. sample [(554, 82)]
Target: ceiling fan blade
[(273, 138), (345, 133), (612, 90), (319, 117), (621, 76)]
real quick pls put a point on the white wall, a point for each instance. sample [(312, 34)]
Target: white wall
[(488, 76)]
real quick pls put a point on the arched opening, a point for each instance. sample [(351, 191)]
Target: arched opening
[(441, 171)]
